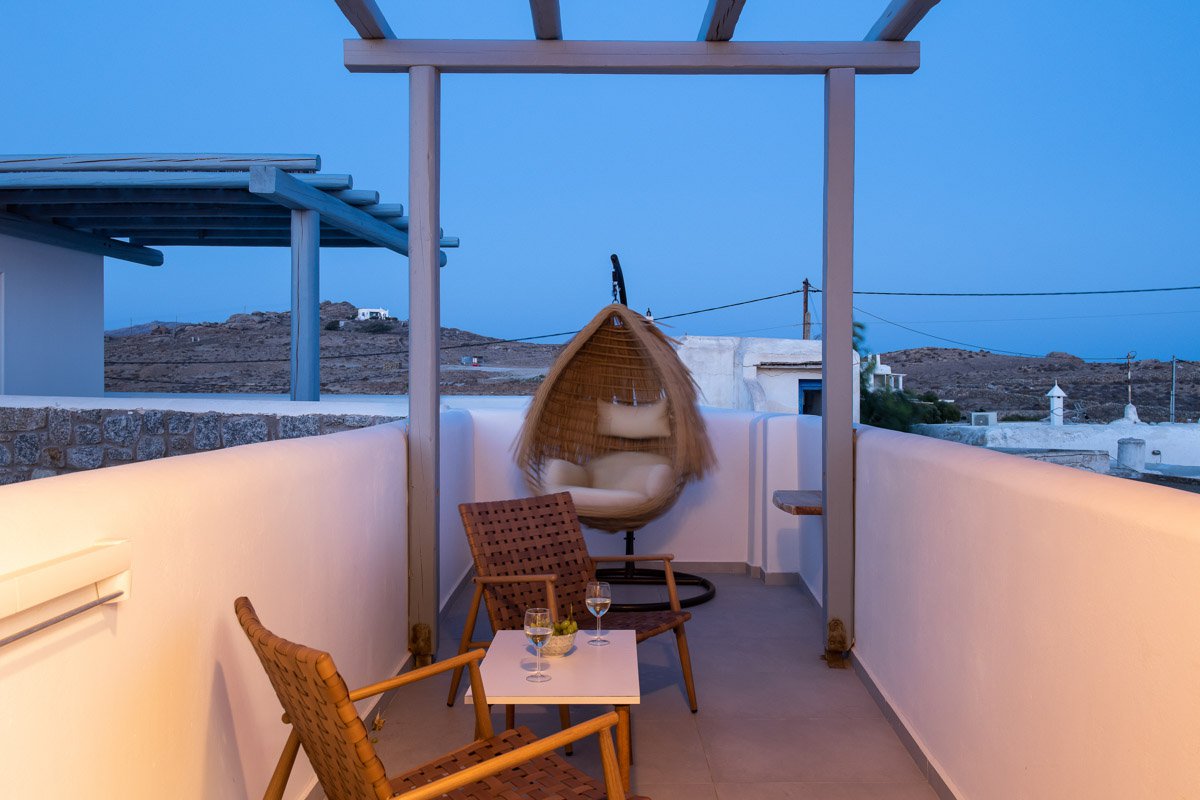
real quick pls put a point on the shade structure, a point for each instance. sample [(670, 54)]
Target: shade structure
[(619, 366)]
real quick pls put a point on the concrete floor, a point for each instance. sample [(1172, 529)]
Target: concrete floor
[(774, 723)]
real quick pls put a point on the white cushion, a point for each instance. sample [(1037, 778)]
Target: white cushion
[(564, 473), (611, 483), (630, 472), (648, 421), (598, 502)]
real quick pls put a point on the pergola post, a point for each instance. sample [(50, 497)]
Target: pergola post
[(306, 305), (837, 370), (424, 330)]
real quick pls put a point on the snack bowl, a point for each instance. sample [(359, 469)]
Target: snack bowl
[(559, 645)]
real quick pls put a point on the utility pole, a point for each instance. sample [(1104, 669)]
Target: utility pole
[(1129, 374), (806, 327), (1173, 388)]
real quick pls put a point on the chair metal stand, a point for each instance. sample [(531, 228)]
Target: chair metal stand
[(629, 575)]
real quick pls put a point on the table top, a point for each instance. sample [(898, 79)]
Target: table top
[(587, 675), (800, 501)]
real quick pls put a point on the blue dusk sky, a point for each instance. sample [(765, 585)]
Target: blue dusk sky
[(1040, 147)]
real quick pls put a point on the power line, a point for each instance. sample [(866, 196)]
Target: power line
[(975, 346), (1025, 294)]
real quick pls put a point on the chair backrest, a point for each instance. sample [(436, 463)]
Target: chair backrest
[(318, 704), (529, 536)]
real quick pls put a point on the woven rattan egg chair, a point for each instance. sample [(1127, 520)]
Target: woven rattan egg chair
[(616, 425)]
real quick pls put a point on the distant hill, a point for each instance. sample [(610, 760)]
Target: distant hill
[(1017, 385), (250, 352)]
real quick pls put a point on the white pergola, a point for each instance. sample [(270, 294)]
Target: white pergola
[(883, 51), (124, 206)]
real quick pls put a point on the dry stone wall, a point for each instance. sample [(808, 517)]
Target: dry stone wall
[(41, 442)]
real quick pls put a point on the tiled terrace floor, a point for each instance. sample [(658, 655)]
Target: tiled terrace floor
[(774, 722)]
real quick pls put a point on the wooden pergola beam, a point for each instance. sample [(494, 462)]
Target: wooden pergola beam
[(57, 235), (245, 222), (898, 20), (285, 190), (366, 18), (95, 197), (160, 162), (160, 180), (720, 18), (547, 19), (260, 209), (640, 58)]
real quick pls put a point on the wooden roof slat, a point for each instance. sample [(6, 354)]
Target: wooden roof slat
[(114, 227), (159, 180), (99, 196), (898, 20), (547, 19), (366, 18), (632, 58), (287, 191), (167, 162), (59, 236), (720, 19)]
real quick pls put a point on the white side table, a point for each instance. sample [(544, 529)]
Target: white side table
[(586, 676)]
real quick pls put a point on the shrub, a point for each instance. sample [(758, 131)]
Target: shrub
[(378, 326), (333, 325)]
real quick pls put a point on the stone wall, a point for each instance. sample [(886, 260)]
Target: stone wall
[(41, 442)]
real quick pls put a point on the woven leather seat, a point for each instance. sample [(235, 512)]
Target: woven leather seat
[(513, 765), (531, 552)]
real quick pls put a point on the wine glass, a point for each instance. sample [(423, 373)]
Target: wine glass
[(537, 628), (598, 599)]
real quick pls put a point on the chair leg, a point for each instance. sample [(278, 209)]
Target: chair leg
[(510, 717), (465, 644), (685, 661), (564, 717)]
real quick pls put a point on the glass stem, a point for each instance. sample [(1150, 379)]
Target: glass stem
[(598, 626)]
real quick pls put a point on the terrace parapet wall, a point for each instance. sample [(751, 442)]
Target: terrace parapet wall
[(43, 442)]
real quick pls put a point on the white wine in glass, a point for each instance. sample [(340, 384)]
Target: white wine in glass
[(598, 600), (537, 629)]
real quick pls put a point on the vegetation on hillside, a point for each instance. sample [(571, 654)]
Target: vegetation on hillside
[(896, 410)]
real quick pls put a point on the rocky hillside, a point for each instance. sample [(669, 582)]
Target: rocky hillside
[(1016, 385), (249, 353)]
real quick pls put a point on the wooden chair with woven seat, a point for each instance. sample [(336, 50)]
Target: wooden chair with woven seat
[(319, 707), (531, 552)]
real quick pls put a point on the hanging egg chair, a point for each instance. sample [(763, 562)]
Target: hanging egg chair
[(615, 423)]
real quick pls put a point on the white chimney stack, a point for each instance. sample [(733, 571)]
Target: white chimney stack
[(1057, 396)]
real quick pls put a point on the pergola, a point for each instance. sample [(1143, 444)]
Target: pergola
[(883, 51), (122, 206)]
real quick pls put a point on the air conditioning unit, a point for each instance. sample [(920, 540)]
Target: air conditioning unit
[(983, 417)]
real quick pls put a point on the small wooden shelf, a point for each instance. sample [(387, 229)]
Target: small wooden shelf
[(801, 502)]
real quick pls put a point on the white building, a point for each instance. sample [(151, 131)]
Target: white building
[(372, 313), (882, 377), (59, 353), (755, 374)]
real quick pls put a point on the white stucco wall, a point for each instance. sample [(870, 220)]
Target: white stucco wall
[(727, 518), (51, 320), (754, 373), (1177, 443), (162, 695), (1034, 626)]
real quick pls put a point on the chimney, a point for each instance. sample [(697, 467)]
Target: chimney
[(1056, 396)]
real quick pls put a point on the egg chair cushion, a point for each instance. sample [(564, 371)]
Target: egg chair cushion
[(644, 421), (611, 483)]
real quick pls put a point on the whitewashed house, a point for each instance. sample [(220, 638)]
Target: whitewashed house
[(372, 313)]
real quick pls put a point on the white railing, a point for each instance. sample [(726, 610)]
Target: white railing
[(1033, 626)]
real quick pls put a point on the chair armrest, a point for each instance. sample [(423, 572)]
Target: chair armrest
[(602, 724), (416, 675)]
